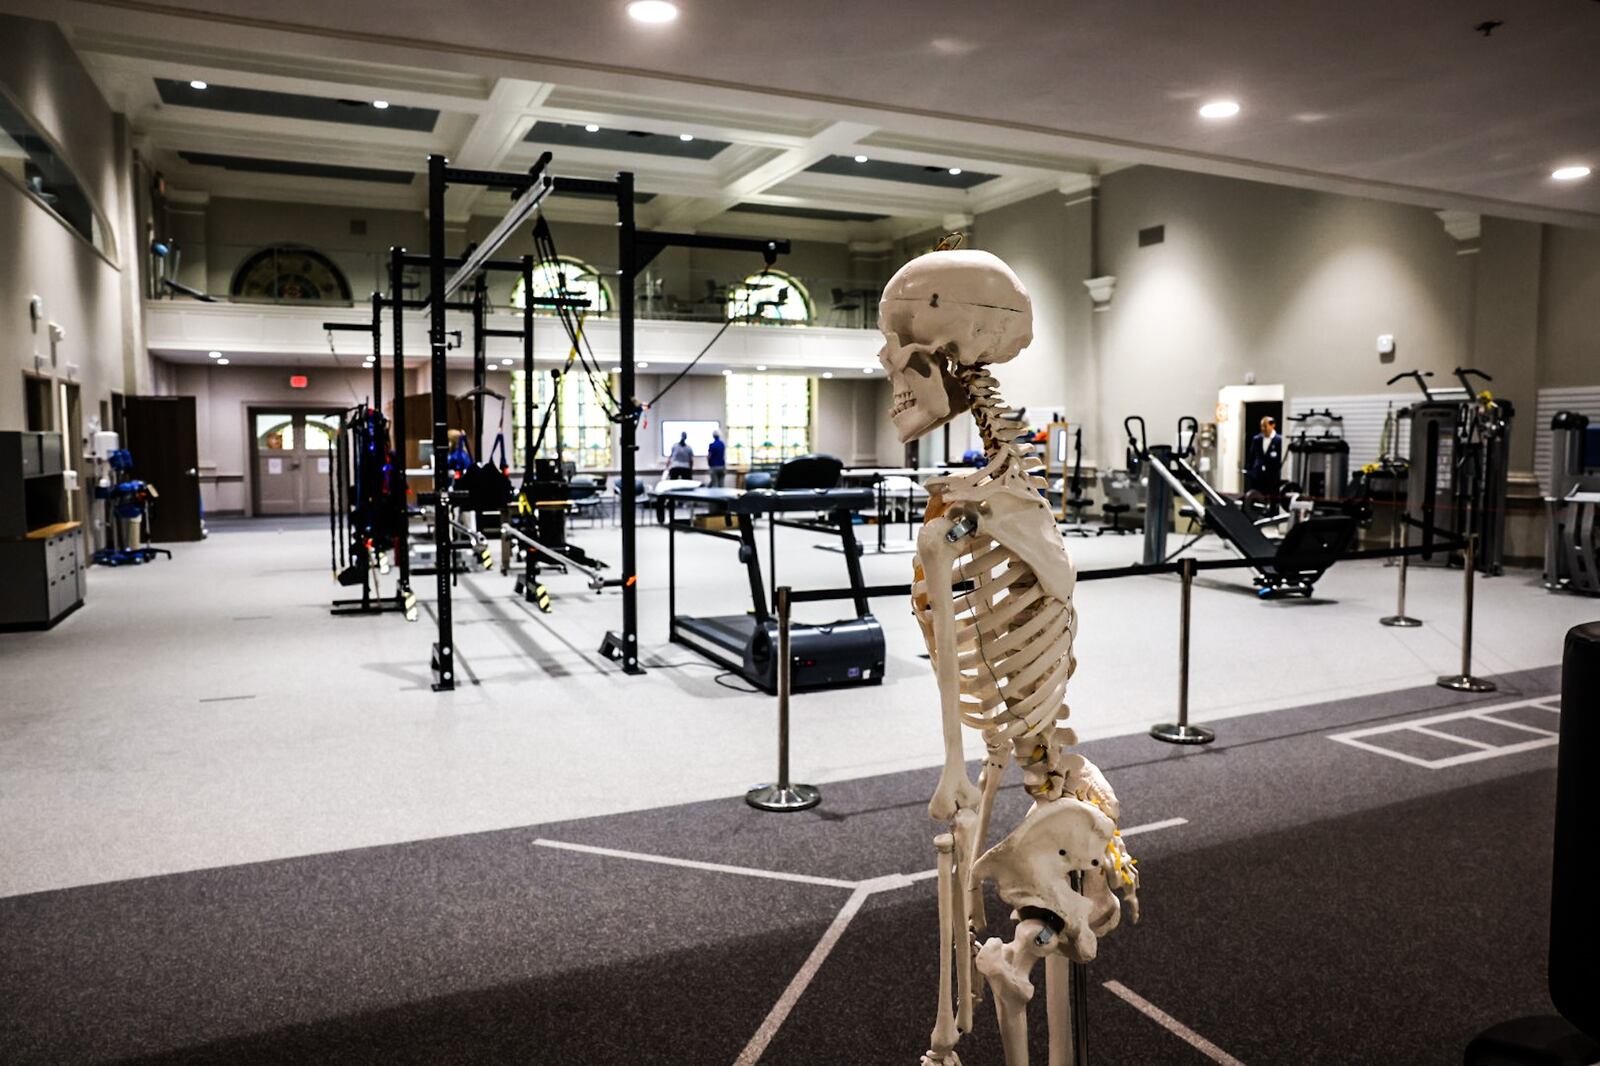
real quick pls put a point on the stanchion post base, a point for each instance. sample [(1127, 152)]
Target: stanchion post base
[(783, 797), (1400, 621), (1467, 683), (1182, 734)]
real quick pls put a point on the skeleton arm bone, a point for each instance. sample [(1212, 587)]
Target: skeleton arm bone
[(937, 553)]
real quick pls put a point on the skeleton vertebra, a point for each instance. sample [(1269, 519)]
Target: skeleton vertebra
[(1002, 654)]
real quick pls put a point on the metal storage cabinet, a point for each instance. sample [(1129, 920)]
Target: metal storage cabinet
[(41, 555)]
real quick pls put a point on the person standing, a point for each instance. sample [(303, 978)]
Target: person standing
[(680, 465), (1263, 462), (717, 459)]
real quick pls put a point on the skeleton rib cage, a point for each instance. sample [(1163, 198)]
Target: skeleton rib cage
[(1014, 639)]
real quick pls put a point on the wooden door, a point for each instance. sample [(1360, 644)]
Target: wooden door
[(160, 434), (291, 451)]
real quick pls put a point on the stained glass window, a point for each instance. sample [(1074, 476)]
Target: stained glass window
[(770, 296), (769, 417), (585, 426), (572, 278)]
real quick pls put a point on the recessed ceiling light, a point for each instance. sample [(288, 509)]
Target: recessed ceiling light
[(1570, 173), (685, 136), (1219, 109), (727, 373), (616, 370), (763, 366), (591, 128), (827, 373), (641, 364), (652, 11), (867, 369), (381, 105), (505, 362), (222, 362), (955, 170), (214, 355), (861, 159), (198, 84)]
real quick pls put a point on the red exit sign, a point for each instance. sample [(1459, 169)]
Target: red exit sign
[(298, 381)]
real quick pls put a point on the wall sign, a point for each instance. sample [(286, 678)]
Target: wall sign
[(298, 381)]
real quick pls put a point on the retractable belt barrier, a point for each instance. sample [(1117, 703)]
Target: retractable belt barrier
[(1179, 732)]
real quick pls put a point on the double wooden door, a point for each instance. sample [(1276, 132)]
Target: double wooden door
[(292, 451)]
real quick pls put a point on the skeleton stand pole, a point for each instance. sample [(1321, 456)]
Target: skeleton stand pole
[(1400, 619), (1464, 681), (1182, 732), (783, 796)]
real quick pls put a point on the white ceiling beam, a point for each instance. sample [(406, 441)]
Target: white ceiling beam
[(493, 137), (689, 214)]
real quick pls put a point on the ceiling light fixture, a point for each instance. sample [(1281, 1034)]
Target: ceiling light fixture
[(1219, 109), (222, 362), (861, 159), (868, 369), (214, 355), (685, 136), (198, 84), (827, 373), (955, 170), (505, 362), (762, 366), (381, 105), (641, 364), (616, 370), (653, 12), (591, 128), (727, 373), (1570, 173)]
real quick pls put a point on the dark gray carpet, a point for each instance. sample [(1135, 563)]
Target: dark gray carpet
[(1324, 905)]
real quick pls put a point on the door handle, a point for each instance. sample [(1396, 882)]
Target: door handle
[(192, 472)]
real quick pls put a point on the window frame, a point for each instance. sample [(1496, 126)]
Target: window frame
[(788, 281), (110, 253)]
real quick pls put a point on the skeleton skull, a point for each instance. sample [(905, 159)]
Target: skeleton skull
[(945, 309)]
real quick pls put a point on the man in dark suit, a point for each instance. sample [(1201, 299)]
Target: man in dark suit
[(1263, 461)]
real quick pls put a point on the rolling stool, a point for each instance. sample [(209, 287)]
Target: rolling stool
[(1116, 511), (1075, 527)]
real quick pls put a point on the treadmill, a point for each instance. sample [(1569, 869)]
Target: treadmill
[(849, 651)]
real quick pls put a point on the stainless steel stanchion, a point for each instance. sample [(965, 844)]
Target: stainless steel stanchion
[(783, 796), (1464, 681), (1181, 732), (1078, 990), (1401, 620)]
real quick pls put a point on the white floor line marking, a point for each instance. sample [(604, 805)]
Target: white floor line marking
[(694, 864), (1442, 735), (1172, 1025), (797, 984), (1481, 750), (1518, 725)]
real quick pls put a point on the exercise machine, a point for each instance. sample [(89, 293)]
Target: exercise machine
[(127, 501), (1572, 538), (849, 651), (1458, 469), (1287, 567), (1319, 465), (366, 514)]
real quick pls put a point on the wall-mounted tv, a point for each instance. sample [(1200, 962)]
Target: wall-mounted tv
[(699, 432)]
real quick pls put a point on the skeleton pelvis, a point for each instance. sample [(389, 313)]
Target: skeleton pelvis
[(1031, 866)]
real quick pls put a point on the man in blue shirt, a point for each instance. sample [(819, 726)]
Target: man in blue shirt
[(716, 459)]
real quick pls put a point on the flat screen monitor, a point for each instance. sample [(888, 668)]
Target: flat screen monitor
[(699, 432)]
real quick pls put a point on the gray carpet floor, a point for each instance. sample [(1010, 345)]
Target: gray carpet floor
[(1319, 903)]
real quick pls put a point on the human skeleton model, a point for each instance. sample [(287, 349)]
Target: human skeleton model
[(1002, 652)]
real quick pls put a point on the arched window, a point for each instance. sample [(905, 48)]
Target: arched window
[(290, 272), (770, 296), (569, 277)]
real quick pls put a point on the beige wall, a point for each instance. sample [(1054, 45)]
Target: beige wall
[(93, 297), (1292, 286), (1569, 309)]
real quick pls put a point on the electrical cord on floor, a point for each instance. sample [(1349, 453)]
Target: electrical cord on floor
[(735, 688)]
